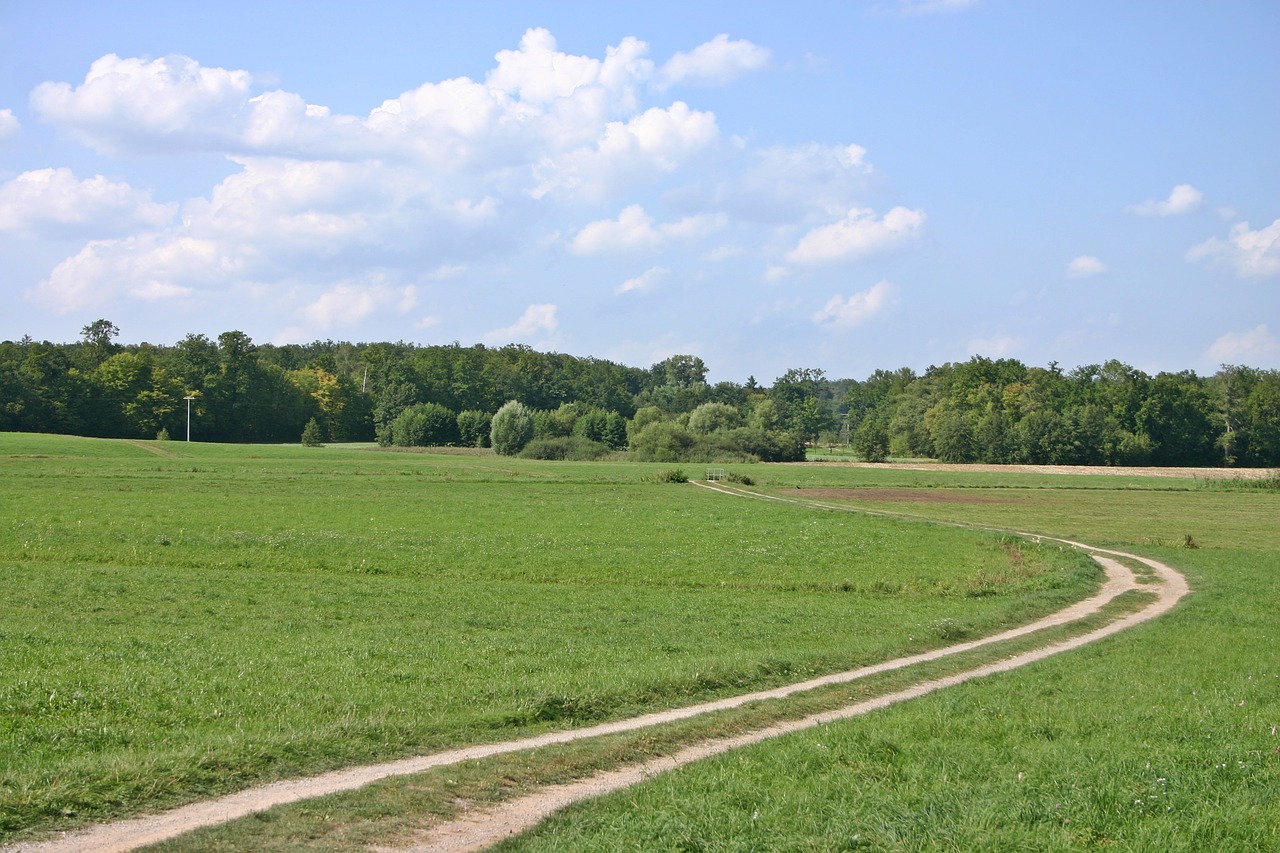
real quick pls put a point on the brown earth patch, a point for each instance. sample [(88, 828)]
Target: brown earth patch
[(939, 496), (1103, 470)]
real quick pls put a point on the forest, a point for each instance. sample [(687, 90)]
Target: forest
[(981, 410)]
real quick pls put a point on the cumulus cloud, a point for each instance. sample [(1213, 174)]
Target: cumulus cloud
[(1253, 254), (714, 63), (1184, 198), (645, 281), (657, 141), (856, 236), (535, 319), (1086, 266), (348, 303), (634, 230), (1256, 346), (123, 103), (9, 125), (841, 312), (535, 107), (53, 201), (332, 219), (148, 267)]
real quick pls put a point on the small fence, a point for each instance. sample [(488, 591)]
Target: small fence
[(714, 474)]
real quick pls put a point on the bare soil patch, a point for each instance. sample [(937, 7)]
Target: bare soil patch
[(936, 496), (1099, 470)]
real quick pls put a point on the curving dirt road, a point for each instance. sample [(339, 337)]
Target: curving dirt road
[(482, 828)]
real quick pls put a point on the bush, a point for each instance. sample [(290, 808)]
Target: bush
[(714, 417), (573, 448), (668, 441), (607, 428), (473, 428), (671, 475), (311, 436), (425, 425), (664, 441), (511, 428)]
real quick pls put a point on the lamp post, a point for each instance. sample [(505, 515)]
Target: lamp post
[(188, 398)]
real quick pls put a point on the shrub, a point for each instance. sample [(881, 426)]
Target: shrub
[(664, 441), (511, 428), (714, 417), (311, 435), (668, 441), (473, 428), (573, 448), (425, 425), (607, 428), (671, 475)]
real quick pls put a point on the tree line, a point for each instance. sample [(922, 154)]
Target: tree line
[(981, 410)]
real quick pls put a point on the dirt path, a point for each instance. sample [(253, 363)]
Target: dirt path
[(475, 831)]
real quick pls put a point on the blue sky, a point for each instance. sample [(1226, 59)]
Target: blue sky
[(839, 186)]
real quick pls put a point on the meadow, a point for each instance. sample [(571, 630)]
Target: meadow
[(1163, 738), (181, 620)]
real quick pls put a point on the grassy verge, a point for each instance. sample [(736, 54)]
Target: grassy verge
[(182, 620)]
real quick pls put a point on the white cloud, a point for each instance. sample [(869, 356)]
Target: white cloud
[(127, 102), (634, 230), (1253, 254), (645, 281), (146, 266), (348, 303), (657, 141), (1086, 266), (857, 235), (535, 319), (782, 183), (714, 63), (1256, 346), (9, 125), (446, 271), (861, 306), (45, 200), (776, 273), (1184, 198)]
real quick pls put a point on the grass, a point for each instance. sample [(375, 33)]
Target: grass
[(1162, 738), (182, 620)]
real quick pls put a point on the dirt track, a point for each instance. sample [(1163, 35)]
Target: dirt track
[(480, 829), (1096, 470)]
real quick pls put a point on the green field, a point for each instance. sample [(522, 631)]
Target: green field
[(1163, 738), (181, 620)]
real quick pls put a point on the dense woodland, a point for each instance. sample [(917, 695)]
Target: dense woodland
[(399, 393)]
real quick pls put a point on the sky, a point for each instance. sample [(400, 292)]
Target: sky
[(842, 186)]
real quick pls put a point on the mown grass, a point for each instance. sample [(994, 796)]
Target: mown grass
[(1161, 738), (182, 620)]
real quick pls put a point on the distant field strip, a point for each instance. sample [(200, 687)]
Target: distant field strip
[(478, 831)]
